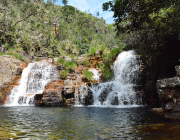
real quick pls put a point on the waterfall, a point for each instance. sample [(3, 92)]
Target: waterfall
[(33, 80), (80, 93), (120, 90)]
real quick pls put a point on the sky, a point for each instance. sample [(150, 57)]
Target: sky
[(93, 6)]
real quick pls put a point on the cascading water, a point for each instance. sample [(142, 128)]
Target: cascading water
[(95, 74), (33, 81), (120, 90), (80, 93)]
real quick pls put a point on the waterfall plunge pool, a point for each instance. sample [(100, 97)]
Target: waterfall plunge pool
[(84, 123)]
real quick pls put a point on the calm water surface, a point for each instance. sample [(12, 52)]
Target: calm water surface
[(85, 123)]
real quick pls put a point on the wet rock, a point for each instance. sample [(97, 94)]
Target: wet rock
[(169, 106), (69, 90), (157, 111), (52, 97), (22, 100), (18, 71), (70, 102)]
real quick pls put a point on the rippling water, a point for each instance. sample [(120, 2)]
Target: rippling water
[(84, 123)]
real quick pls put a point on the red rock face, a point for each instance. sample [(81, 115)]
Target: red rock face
[(52, 95)]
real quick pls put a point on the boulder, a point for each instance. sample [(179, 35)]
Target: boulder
[(169, 95), (158, 111), (50, 97)]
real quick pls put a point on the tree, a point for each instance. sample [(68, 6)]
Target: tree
[(65, 2), (134, 13), (152, 28)]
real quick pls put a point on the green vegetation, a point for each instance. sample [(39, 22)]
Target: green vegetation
[(41, 28), (87, 75), (152, 29), (63, 74), (71, 56), (18, 56), (1, 53), (92, 51), (69, 65), (37, 59), (106, 73), (61, 61)]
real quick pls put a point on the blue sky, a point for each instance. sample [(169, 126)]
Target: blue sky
[(93, 6)]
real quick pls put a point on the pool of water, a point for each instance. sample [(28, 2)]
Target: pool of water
[(85, 123)]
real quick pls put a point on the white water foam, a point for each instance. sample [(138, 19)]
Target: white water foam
[(33, 80), (120, 90), (95, 75)]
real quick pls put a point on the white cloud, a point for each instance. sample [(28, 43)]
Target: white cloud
[(93, 5)]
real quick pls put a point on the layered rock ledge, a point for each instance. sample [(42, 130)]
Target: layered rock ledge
[(169, 95)]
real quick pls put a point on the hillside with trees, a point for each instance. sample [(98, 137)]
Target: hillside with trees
[(36, 28)]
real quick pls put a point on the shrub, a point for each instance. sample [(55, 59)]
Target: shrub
[(87, 75), (64, 74), (37, 59), (61, 61), (70, 65), (92, 51)]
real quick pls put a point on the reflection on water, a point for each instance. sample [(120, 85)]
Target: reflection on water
[(84, 123)]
